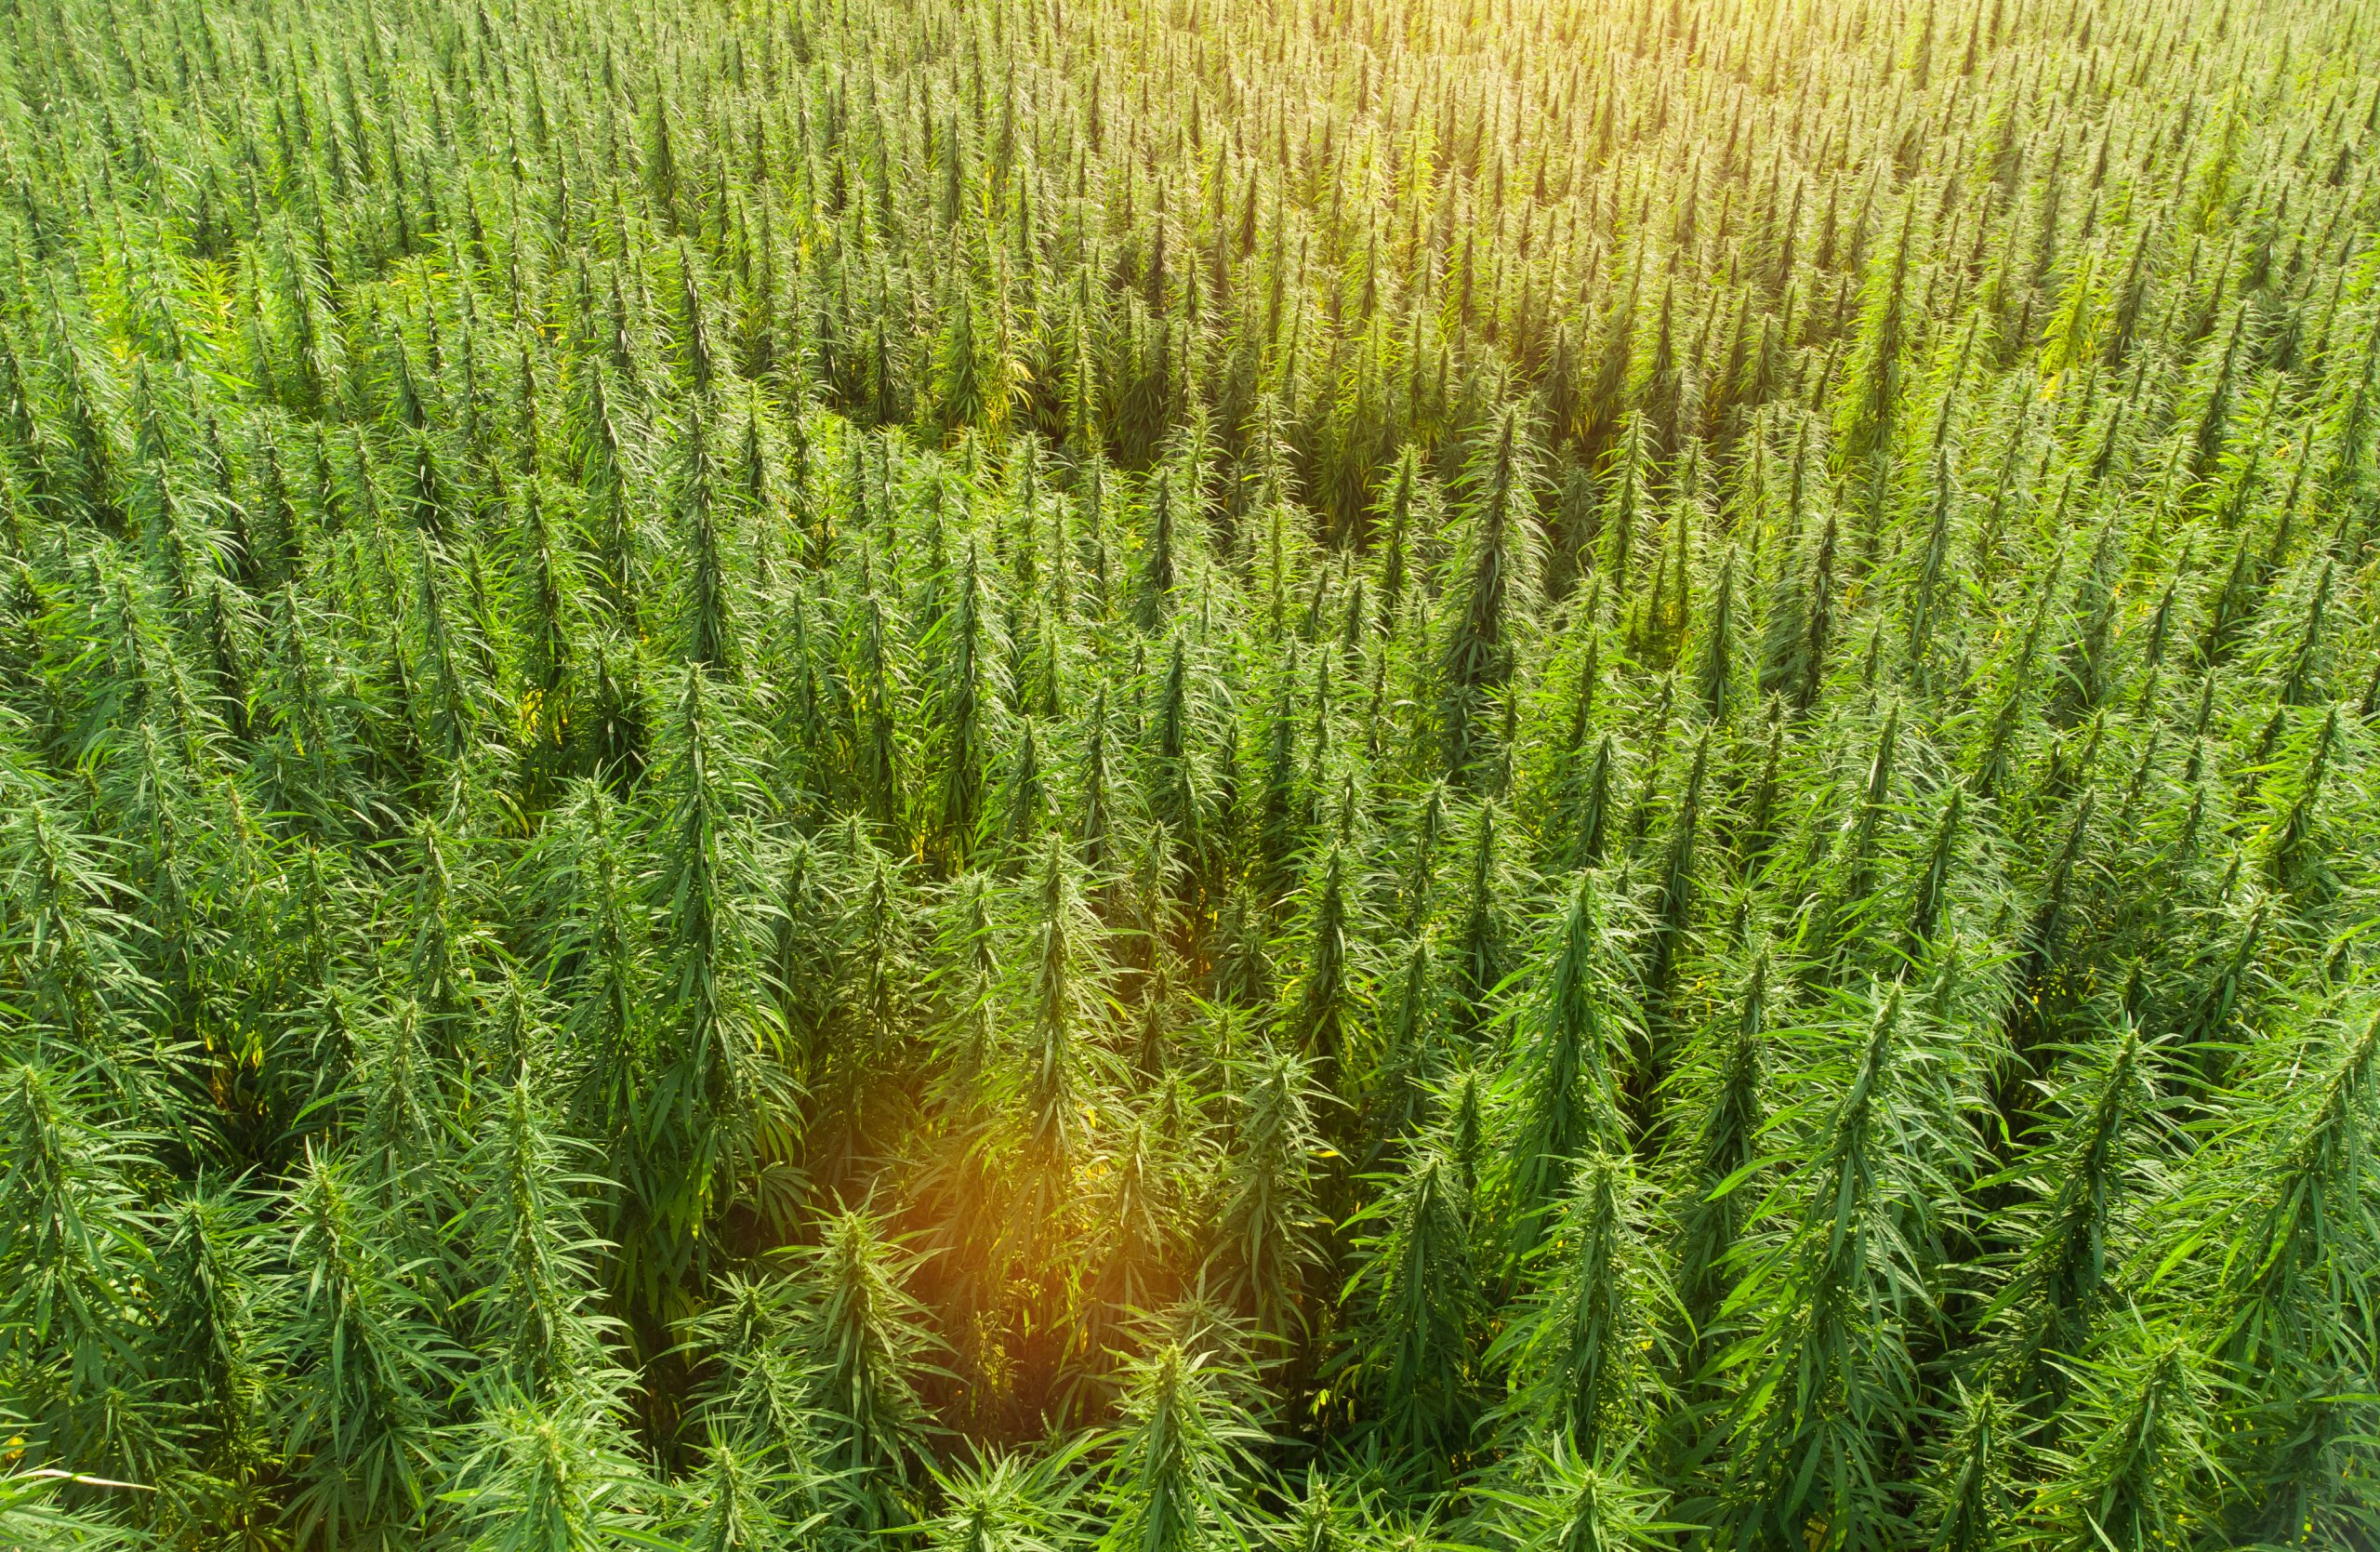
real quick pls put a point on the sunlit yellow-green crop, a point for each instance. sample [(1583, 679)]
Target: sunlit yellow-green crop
[(1189, 775)]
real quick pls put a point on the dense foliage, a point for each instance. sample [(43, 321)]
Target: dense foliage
[(1013, 777)]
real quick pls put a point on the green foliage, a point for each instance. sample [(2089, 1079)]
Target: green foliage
[(1559, 776)]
